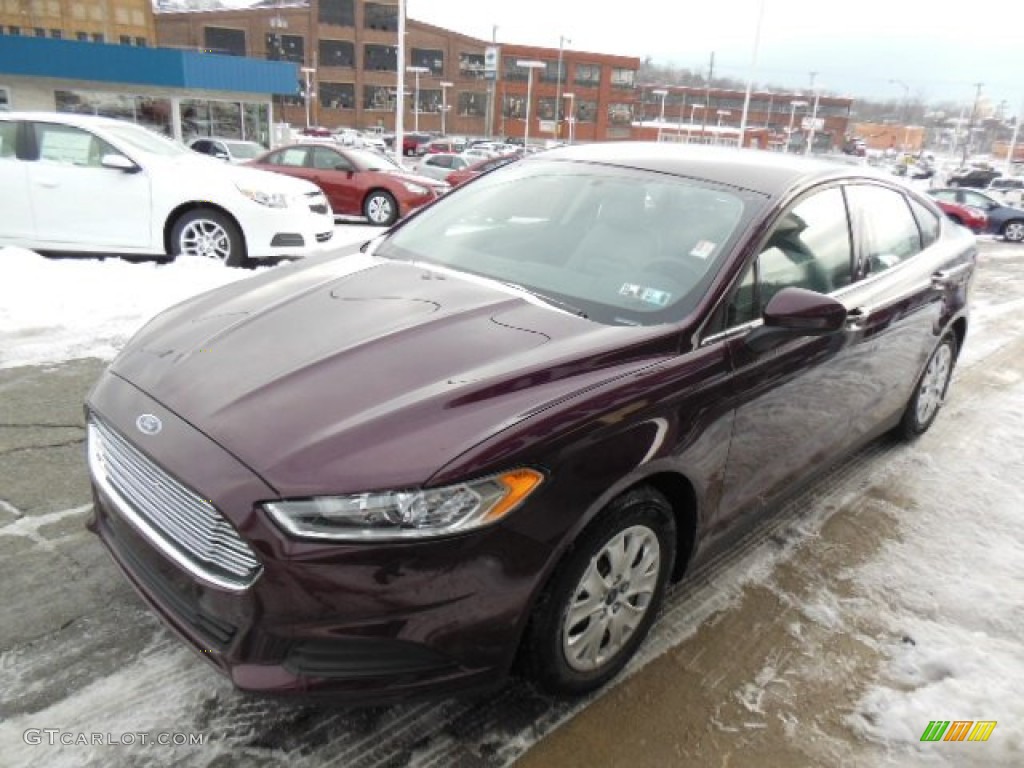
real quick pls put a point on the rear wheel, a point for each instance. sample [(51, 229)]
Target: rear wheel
[(602, 599), (380, 208), (209, 234), (1014, 230), (931, 390)]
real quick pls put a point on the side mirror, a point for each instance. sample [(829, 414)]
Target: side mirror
[(119, 163), (796, 312), (221, 155)]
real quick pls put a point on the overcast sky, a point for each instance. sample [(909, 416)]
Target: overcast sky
[(939, 48)]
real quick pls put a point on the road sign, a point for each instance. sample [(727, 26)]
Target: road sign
[(807, 123), (491, 58)]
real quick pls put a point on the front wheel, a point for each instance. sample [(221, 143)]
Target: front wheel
[(603, 598), (1014, 230), (380, 208), (931, 390), (209, 234)]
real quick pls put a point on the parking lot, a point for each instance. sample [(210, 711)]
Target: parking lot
[(889, 594)]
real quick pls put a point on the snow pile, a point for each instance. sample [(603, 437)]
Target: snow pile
[(950, 589), (60, 309)]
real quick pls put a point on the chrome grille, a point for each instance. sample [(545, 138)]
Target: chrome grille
[(182, 524)]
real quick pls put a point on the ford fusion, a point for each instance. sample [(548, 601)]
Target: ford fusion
[(488, 440)]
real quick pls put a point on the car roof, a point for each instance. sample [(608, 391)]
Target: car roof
[(770, 173), (69, 118)]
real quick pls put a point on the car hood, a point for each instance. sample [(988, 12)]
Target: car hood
[(211, 168), (415, 178), (357, 373)]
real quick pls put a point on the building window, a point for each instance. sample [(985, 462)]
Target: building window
[(337, 95), (40, 32), (471, 65), (124, 40), (379, 97), (337, 13), (588, 75), (430, 100), (144, 110), (56, 34), (337, 53), (429, 58), (620, 114), (472, 104), (623, 78), (550, 73), (546, 110), (586, 111), (230, 42), (286, 48), (81, 36), (14, 31), (514, 107), (513, 71), (378, 16), (140, 42), (380, 58), (98, 37)]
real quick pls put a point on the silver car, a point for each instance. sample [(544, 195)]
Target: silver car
[(438, 166)]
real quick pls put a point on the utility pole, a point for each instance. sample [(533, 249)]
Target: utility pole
[(970, 122), (707, 97), (491, 85)]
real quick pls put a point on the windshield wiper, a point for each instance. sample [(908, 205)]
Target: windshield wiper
[(549, 299)]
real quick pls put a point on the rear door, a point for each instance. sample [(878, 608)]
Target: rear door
[(77, 201), (336, 176), (17, 225)]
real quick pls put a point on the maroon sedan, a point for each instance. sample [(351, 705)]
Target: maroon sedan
[(463, 175), (489, 439), (972, 218), (357, 182)]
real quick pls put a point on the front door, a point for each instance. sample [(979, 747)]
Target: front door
[(17, 226), (77, 201)]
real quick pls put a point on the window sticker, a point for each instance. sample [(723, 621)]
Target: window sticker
[(645, 294), (703, 249)]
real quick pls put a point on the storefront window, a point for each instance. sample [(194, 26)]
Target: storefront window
[(144, 110)]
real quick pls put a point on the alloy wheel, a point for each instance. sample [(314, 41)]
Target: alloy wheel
[(205, 238), (933, 383)]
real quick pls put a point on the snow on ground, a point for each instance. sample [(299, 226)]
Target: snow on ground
[(61, 309)]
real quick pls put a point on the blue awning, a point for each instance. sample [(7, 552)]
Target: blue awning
[(167, 67)]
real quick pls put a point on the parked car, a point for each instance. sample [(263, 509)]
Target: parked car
[(476, 154), (978, 178), (317, 131), (972, 218), (479, 167), (357, 182), (1007, 189), (438, 166), (491, 438), (1004, 220), (232, 150), (412, 141), (83, 184), (441, 146)]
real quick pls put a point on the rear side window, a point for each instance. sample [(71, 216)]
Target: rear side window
[(68, 145), (928, 223), (8, 134), (887, 226)]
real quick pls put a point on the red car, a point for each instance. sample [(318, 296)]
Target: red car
[(472, 171), (965, 215), (357, 182)]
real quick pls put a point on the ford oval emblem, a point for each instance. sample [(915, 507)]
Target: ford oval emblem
[(149, 424)]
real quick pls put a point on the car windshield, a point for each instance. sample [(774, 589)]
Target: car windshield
[(145, 140), (244, 150), (371, 161), (619, 246)]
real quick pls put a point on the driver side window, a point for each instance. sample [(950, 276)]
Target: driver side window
[(808, 247), (328, 160)]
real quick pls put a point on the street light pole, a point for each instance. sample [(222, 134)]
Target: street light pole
[(689, 128), (399, 142), (792, 117), (661, 119), (444, 107), (814, 117), (529, 65), (572, 113), (753, 71), (562, 40), (308, 72), (416, 103)]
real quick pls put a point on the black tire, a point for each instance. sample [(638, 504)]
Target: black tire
[(1013, 230), (930, 391), (644, 516), (380, 208), (208, 233)]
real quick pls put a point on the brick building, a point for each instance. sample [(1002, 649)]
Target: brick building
[(351, 45), (127, 22)]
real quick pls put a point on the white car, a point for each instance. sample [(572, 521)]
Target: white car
[(84, 184), (232, 150), (438, 166), (1007, 189)]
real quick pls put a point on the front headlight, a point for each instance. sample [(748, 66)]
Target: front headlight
[(416, 189), (269, 199), (407, 514)]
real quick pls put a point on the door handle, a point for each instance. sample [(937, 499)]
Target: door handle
[(856, 318), (944, 277)]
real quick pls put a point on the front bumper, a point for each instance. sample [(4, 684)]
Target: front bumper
[(366, 623), (304, 228)]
